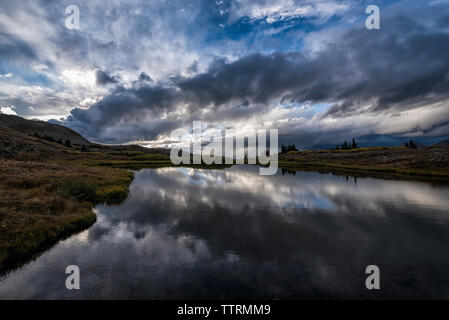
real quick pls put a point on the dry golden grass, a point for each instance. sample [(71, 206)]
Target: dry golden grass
[(394, 162), (41, 203)]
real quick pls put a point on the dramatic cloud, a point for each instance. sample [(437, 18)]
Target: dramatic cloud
[(136, 70), (103, 78), (275, 11)]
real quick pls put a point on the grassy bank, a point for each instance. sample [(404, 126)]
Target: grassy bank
[(429, 164), (137, 165), (363, 171), (45, 199), (137, 161), (41, 203), (47, 191)]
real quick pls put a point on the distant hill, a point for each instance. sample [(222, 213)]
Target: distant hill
[(41, 128), (30, 137), (420, 145), (444, 143)]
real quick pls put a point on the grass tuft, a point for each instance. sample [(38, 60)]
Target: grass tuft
[(79, 189)]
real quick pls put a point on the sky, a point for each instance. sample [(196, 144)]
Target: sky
[(136, 70)]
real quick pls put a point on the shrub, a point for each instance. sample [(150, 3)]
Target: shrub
[(79, 189), (113, 194), (128, 153), (151, 157)]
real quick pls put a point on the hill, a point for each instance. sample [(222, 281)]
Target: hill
[(33, 140), (444, 143), (41, 128)]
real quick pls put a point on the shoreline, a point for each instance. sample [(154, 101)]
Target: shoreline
[(377, 173), (427, 164), (46, 201)]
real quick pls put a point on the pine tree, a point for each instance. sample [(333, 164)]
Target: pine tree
[(68, 144), (354, 144)]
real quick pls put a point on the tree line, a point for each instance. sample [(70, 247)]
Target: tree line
[(66, 143), (290, 147), (347, 146), (410, 144)]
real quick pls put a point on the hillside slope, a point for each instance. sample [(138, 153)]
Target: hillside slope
[(21, 146), (42, 128), (444, 143), (29, 140)]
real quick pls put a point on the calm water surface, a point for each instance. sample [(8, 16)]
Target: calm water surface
[(188, 233)]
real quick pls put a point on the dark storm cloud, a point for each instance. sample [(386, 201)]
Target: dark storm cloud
[(402, 66), (144, 77), (397, 69), (128, 104), (392, 69), (239, 89), (121, 115), (104, 78)]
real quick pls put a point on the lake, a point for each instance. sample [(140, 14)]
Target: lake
[(189, 233)]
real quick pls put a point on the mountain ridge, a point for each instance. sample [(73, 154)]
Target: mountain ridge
[(42, 128)]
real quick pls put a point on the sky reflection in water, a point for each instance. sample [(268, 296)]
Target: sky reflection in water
[(188, 233)]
